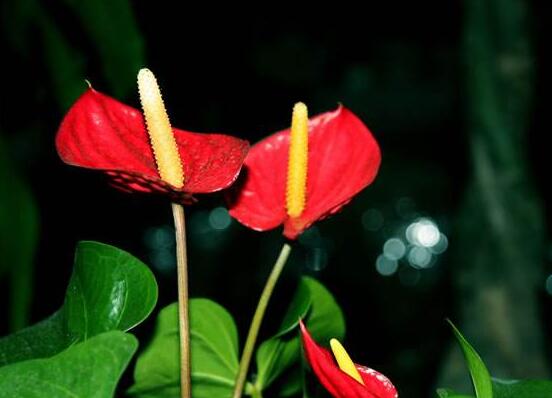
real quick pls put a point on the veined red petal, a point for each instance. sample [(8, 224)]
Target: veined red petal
[(337, 382), (344, 158), (102, 133)]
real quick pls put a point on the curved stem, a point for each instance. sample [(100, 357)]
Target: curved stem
[(258, 319), (183, 317)]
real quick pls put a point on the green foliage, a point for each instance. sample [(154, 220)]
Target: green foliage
[(522, 388), (485, 387), (478, 371), (18, 236), (110, 24), (89, 369), (315, 304), (109, 290), (110, 27), (445, 393), (214, 344)]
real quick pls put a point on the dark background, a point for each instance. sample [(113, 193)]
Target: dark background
[(453, 91)]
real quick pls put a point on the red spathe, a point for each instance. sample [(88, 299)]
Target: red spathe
[(343, 158), (102, 133), (339, 383)]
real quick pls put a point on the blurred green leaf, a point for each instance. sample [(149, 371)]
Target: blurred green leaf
[(445, 393), (66, 65), (281, 353), (214, 345), (522, 388), (18, 238), (109, 290), (112, 27), (480, 375), (89, 369)]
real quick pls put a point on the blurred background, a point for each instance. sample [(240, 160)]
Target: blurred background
[(457, 224)]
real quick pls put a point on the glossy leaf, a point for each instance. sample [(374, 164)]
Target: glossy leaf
[(214, 345), (316, 305), (478, 371), (89, 369), (109, 290)]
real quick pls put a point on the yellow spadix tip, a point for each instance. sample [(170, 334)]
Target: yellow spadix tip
[(296, 189), (159, 128), (344, 360)]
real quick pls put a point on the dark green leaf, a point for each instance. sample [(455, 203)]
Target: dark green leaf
[(324, 319), (446, 393), (18, 235), (110, 24), (214, 343), (522, 388), (90, 369), (109, 290), (478, 371)]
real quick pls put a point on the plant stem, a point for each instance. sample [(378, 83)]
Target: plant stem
[(258, 319), (183, 317)]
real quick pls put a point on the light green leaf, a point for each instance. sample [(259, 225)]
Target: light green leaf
[(214, 344), (90, 369), (522, 388), (478, 371), (109, 290), (323, 317)]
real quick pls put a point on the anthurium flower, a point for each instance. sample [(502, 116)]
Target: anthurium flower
[(102, 133), (340, 375), (303, 174)]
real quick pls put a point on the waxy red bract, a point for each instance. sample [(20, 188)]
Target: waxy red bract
[(343, 159), (102, 133), (339, 383)]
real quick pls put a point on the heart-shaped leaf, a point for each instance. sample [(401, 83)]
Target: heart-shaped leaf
[(316, 305), (90, 369), (214, 355), (109, 290), (478, 371)]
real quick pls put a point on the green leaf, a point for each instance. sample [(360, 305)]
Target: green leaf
[(446, 393), (111, 26), (89, 370), (18, 237), (522, 388), (214, 344), (480, 375), (322, 315), (109, 290)]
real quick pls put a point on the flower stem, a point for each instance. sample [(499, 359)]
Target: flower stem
[(183, 317), (258, 319)]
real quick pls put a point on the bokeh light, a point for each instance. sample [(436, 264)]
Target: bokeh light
[(548, 285), (219, 218), (386, 266), (394, 249)]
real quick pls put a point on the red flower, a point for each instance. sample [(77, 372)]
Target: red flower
[(339, 383), (101, 133), (342, 158)]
